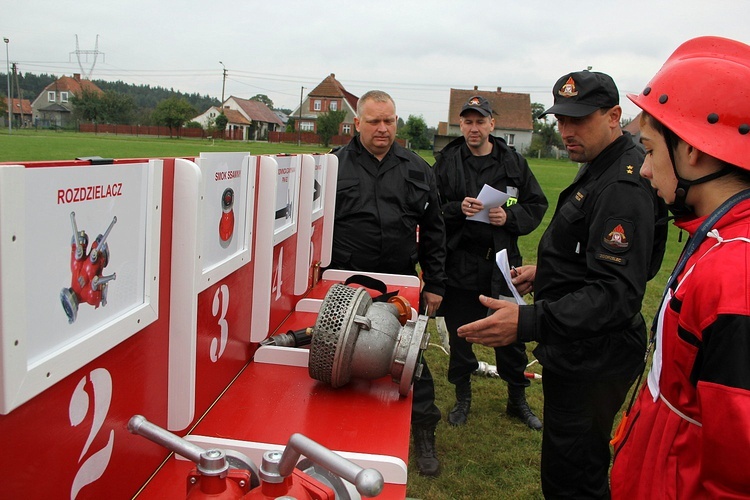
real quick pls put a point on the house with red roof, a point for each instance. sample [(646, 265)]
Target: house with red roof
[(328, 95), (512, 113), (52, 108), (248, 120), (20, 111)]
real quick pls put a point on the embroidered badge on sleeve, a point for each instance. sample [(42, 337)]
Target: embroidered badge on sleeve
[(617, 235)]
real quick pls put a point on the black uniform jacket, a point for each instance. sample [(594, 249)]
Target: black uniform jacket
[(593, 262), (378, 208), (472, 245)]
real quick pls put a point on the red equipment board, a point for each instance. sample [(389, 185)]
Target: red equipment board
[(206, 257)]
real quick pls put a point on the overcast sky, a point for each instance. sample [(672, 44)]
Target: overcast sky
[(414, 49)]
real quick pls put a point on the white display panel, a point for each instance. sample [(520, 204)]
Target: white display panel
[(204, 251), (304, 224), (287, 196), (263, 244), (226, 229), (63, 302), (329, 208)]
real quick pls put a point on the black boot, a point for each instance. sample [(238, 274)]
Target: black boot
[(424, 449), (460, 411), (519, 408)]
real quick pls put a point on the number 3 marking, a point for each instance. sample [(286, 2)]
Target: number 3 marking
[(221, 295)]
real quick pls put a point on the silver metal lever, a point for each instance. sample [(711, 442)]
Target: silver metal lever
[(369, 482)]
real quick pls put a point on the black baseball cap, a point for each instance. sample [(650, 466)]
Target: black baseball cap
[(479, 104), (581, 93)]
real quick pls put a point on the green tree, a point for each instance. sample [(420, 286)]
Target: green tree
[(545, 135), (544, 139), (415, 130), (4, 106), (221, 122), (88, 106), (536, 110), (328, 125), (117, 107), (173, 113), (107, 107), (264, 99)]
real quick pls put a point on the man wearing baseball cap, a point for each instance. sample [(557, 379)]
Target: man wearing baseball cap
[(601, 247), (463, 167)]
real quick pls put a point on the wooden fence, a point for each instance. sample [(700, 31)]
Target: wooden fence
[(306, 138), (159, 131)]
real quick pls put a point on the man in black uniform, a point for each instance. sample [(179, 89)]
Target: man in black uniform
[(384, 192), (462, 168), (601, 247)]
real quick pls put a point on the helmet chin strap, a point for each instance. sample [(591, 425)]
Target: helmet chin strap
[(679, 207)]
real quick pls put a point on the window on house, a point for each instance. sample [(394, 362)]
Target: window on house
[(347, 129), (51, 96), (317, 105), (63, 97), (333, 105), (307, 126), (510, 139)]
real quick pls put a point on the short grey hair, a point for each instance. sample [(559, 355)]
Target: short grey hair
[(374, 95)]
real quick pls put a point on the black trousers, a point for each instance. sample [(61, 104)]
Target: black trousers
[(578, 417), (424, 411), (461, 307)]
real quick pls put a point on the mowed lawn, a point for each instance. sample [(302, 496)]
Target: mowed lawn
[(492, 457), (29, 145)]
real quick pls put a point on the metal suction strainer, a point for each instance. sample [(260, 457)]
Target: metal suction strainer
[(355, 337)]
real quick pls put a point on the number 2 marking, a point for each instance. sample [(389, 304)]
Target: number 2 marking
[(94, 466)]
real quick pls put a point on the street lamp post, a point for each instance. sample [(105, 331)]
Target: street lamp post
[(299, 122), (7, 69)]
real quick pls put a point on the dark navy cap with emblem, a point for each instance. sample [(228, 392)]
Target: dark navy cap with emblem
[(581, 93), (478, 104)]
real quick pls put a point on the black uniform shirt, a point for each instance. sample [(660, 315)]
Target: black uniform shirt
[(593, 263), (472, 245), (379, 205)]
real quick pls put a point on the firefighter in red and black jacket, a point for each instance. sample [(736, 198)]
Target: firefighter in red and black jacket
[(688, 434)]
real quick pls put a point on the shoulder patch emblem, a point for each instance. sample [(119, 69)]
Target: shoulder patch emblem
[(617, 235)]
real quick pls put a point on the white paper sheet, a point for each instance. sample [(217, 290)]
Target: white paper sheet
[(490, 198), (501, 258)]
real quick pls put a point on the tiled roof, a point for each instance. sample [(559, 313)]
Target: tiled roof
[(257, 111), (234, 116), (330, 87), (511, 111), (74, 85), (17, 109)]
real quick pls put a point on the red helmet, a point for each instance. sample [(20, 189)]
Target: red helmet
[(702, 94)]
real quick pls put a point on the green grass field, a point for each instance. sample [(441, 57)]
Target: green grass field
[(492, 457)]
